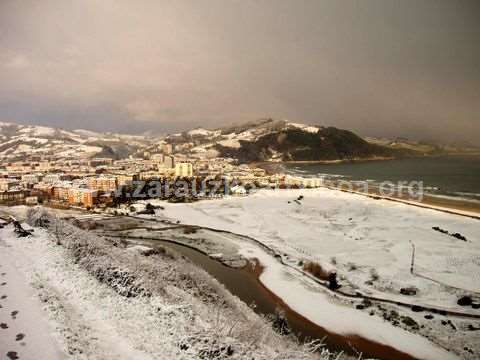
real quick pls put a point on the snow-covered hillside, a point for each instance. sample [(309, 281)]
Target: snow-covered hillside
[(20, 142), (260, 140), (101, 300), (280, 140)]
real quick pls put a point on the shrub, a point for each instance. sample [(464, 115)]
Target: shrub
[(374, 275), (316, 270), (352, 267), (189, 230)]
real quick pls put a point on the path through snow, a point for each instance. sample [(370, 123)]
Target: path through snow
[(25, 332)]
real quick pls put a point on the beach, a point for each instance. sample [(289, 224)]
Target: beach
[(450, 182)]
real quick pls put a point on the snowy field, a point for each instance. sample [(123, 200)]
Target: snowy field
[(368, 241)]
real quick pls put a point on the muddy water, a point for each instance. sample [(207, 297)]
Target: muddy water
[(244, 283)]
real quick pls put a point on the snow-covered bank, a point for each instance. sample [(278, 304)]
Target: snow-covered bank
[(368, 241), (304, 297), (108, 302)]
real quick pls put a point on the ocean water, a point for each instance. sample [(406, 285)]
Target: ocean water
[(449, 177)]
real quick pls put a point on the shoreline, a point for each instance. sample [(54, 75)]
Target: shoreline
[(360, 160), (453, 207), (322, 162), (458, 206)]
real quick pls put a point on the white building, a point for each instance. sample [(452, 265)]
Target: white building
[(238, 190), (30, 178), (312, 182), (53, 178), (183, 170)]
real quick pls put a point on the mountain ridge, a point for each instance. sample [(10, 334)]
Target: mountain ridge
[(260, 140)]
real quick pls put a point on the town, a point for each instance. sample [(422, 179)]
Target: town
[(104, 182)]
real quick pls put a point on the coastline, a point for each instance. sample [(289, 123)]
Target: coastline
[(359, 160), (266, 164), (458, 206)]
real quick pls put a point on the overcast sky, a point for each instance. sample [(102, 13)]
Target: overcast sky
[(380, 67)]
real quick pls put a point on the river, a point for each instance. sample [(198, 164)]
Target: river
[(244, 284)]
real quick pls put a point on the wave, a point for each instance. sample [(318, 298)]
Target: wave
[(465, 193), (431, 188), (332, 175), (452, 197)]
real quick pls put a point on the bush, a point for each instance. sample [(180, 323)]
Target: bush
[(316, 270), (189, 230), (352, 267), (374, 275)]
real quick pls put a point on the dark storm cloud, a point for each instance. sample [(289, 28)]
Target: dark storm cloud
[(393, 68)]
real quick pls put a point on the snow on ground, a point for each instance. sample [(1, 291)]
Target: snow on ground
[(24, 328), (203, 132), (93, 321), (38, 130), (367, 241), (354, 234), (75, 305), (307, 299), (311, 129), (231, 143)]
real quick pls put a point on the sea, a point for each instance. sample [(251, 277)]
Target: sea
[(449, 177)]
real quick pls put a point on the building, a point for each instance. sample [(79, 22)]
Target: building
[(42, 188), (7, 184), (158, 157), (184, 170), (60, 191), (44, 166), (53, 178), (238, 190), (74, 196), (169, 162), (103, 183), (289, 180), (167, 148), (85, 197), (89, 198), (100, 161), (126, 179), (30, 178), (12, 196), (18, 167), (31, 200), (312, 182)]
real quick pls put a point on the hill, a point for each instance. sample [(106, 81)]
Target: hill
[(280, 140), (20, 142)]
